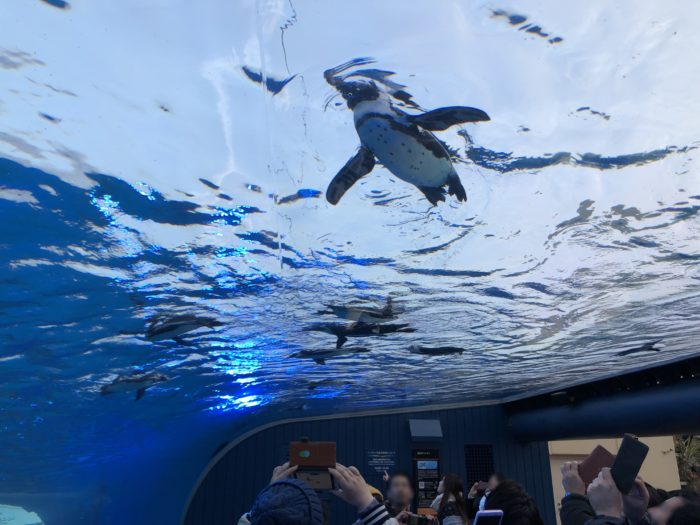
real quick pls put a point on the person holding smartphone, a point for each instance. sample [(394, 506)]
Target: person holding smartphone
[(286, 500), (479, 493)]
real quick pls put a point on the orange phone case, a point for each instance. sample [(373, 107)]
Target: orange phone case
[(590, 467), (313, 459)]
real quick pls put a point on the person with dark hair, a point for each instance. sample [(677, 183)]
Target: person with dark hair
[(662, 514), (285, 500), (517, 505), (479, 493), (690, 496), (450, 505), (688, 514)]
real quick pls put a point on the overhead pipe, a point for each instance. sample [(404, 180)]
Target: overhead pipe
[(662, 410)]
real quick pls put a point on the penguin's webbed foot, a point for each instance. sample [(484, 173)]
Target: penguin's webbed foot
[(433, 194), (455, 188)]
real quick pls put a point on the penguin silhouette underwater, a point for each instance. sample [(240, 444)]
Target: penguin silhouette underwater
[(402, 142)]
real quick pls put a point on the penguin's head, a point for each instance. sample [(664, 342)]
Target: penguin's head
[(356, 92)]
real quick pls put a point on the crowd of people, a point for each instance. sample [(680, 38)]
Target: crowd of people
[(289, 501)]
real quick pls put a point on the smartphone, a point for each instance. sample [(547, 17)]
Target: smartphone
[(313, 458), (417, 519), (482, 486), (590, 467), (488, 517), (628, 462)]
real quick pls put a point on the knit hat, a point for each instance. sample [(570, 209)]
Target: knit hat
[(287, 502)]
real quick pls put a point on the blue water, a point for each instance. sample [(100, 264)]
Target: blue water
[(162, 159)]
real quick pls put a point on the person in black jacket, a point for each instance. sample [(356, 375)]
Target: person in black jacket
[(517, 505), (479, 493)]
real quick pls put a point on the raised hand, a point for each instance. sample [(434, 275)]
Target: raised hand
[(352, 487), (570, 478), (605, 499), (635, 503), (283, 471)]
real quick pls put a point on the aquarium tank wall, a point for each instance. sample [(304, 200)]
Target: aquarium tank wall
[(219, 215)]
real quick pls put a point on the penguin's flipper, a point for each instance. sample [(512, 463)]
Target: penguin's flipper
[(140, 393), (454, 186), (434, 195), (356, 168), (443, 118), (340, 342)]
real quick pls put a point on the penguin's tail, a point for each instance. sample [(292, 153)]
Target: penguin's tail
[(454, 187)]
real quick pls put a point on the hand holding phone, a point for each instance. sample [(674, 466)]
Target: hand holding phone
[(604, 496), (352, 487), (283, 471), (571, 479)]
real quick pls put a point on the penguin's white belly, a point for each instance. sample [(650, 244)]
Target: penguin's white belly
[(403, 155)]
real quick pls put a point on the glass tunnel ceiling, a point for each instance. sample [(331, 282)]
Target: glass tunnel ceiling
[(163, 159)]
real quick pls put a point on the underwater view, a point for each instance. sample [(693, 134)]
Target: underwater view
[(220, 214)]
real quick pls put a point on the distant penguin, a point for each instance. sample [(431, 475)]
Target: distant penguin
[(357, 314), (328, 383), (436, 350), (403, 143), (173, 327), (342, 332), (320, 356), (138, 382), (646, 347)]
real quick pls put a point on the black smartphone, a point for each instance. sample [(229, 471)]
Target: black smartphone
[(628, 462), (417, 519), (488, 517)]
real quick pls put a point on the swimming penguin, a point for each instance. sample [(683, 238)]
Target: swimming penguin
[(646, 347), (436, 350), (163, 328), (402, 142), (328, 383), (138, 382), (342, 332), (357, 314), (320, 356)]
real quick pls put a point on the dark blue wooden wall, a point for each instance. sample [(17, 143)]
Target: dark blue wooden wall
[(231, 485)]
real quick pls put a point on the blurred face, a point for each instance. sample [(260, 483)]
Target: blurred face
[(400, 492), (661, 513), (493, 482)]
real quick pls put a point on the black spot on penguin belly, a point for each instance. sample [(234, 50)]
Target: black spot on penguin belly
[(424, 138)]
